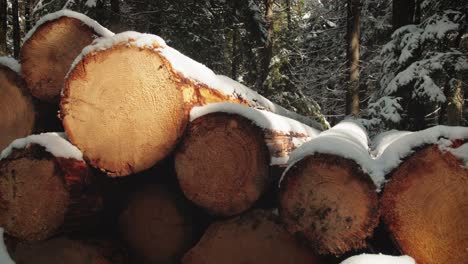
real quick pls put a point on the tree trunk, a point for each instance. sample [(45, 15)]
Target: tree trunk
[(236, 54), (115, 23), (403, 13), (47, 55), (455, 104), (16, 29), (16, 107), (353, 35), (256, 237), (268, 48), (330, 202), (43, 194), (161, 77), (156, 225), (27, 15), (3, 28), (424, 202)]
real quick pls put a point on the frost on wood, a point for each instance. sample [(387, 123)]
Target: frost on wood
[(11, 63), (102, 31), (378, 259), (54, 143), (193, 70), (4, 256)]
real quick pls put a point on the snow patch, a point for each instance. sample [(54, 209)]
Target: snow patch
[(193, 70), (4, 256), (461, 153), (100, 30), (263, 119), (10, 63), (54, 143), (379, 258)]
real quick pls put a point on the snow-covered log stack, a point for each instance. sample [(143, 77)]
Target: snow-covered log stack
[(326, 194), (44, 188), (223, 161), (142, 90), (424, 204), (17, 114)]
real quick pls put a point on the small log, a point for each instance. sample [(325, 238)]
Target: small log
[(63, 250), (256, 237), (136, 86), (50, 48), (424, 206), (16, 108), (42, 190), (326, 198), (156, 225)]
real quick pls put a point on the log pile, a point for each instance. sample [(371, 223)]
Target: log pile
[(98, 193)]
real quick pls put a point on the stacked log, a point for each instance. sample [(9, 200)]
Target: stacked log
[(135, 85), (325, 195), (16, 108), (424, 203), (223, 162), (44, 188), (256, 237)]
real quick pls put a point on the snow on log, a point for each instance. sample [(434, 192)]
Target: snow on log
[(50, 48), (156, 225), (326, 196), (424, 202), (223, 161), (256, 237), (135, 85), (63, 250), (16, 108), (378, 259), (44, 188)]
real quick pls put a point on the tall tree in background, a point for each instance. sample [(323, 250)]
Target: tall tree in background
[(3, 27), (268, 48), (352, 36), (403, 12), (16, 29), (115, 22)]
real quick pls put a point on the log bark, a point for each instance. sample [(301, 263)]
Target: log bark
[(329, 202), (63, 250), (424, 207), (156, 225), (42, 195), (16, 108), (256, 237), (137, 85), (48, 54), (222, 164)]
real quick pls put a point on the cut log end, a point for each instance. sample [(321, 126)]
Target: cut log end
[(139, 102), (46, 56), (256, 237), (330, 202), (222, 164), (425, 207), (16, 108), (156, 226), (36, 191)]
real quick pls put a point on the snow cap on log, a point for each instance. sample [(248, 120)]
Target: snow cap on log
[(10, 63), (393, 148), (267, 121), (4, 256), (54, 143), (104, 32), (194, 71), (378, 258), (349, 140)]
